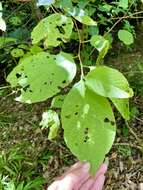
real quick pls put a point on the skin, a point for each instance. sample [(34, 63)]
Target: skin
[(78, 178)]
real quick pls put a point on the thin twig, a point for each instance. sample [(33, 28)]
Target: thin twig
[(132, 132)]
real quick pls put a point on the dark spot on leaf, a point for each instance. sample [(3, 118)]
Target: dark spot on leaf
[(26, 76), (86, 131), (50, 82), (59, 39), (45, 83), (76, 144), (26, 87), (59, 87), (64, 81), (86, 139), (77, 106), (30, 90), (106, 120), (112, 123), (22, 69), (60, 29), (126, 105), (75, 113), (53, 74), (67, 116), (64, 24), (18, 75), (47, 56)]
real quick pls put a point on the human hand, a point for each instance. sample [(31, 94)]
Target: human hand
[(78, 178)]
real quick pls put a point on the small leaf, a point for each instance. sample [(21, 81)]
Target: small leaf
[(53, 30), (17, 52), (42, 75), (89, 125), (86, 20), (126, 37), (122, 106), (50, 119), (108, 82), (5, 41), (101, 44), (123, 4), (57, 101)]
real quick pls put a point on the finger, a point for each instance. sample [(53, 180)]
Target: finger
[(74, 179), (54, 186), (98, 185), (88, 184), (71, 169), (102, 170)]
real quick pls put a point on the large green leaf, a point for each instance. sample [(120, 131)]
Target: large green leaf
[(126, 37), (101, 44), (108, 82), (42, 75), (122, 106), (89, 125), (53, 29)]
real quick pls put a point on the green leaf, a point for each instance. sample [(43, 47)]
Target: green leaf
[(86, 20), (123, 4), (42, 75), (50, 119), (57, 101), (17, 52), (4, 41), (89, 125), (101, 44), (53, 30), (122, 106), (126, 37), (108, 82)]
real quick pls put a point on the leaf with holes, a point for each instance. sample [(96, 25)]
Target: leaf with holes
[(89, 125), (42, 75), (53, 30), (108, 82)]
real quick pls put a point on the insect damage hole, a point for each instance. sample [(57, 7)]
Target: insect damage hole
[(106, 120), (18, 75)]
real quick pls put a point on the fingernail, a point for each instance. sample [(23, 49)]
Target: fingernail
[(86, 166), (106, 161)]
